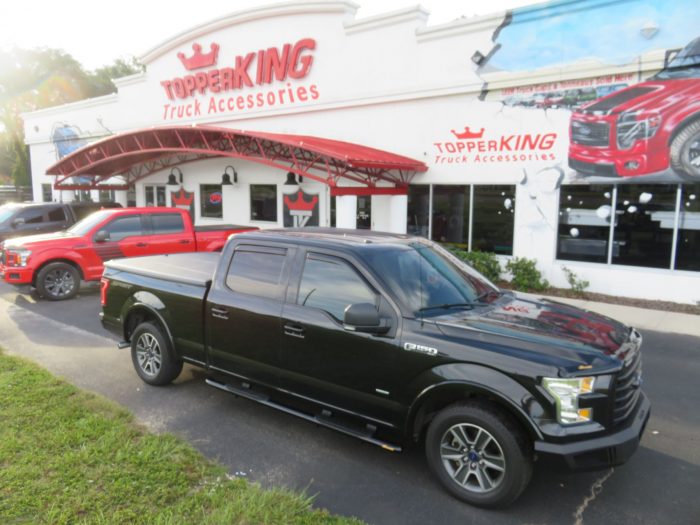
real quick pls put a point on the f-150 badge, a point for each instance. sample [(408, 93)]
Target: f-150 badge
[(412, 347)]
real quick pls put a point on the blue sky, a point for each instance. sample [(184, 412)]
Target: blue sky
[(565, 31)]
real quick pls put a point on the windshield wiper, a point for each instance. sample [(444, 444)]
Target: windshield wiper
[(447, 306)]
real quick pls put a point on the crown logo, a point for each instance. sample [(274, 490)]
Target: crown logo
[(299, 206), (199, 60), (182, 199), (468, 134)]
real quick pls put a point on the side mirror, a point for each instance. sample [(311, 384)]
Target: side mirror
[(101, 236), (364, 317), (19, 221)]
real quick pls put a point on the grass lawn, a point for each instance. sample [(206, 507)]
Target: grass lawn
[(69, 456)]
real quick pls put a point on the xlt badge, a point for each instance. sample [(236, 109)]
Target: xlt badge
[(412, 347)]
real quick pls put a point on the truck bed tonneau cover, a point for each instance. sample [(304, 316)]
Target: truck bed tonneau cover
[(188, 268)]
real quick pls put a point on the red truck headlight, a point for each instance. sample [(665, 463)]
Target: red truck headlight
[(633, 126), (17, 257)]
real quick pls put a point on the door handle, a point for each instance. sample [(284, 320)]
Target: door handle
[(294, 330), (141, 244), (219, 312), (184, 241)]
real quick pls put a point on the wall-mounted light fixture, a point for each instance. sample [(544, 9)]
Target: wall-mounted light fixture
[(293, 180), (226, 178), (175, 174), (478, 58)]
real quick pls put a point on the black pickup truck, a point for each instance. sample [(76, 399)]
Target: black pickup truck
[(393, 340)]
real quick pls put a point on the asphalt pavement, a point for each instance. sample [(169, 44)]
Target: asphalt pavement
[(659, 485)]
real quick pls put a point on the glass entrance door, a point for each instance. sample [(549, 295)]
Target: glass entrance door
[(364, 212)]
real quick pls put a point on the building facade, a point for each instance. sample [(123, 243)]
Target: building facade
[(567, 132)]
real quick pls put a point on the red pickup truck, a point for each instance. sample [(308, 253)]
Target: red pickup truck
[(645, 128), (55, 263)]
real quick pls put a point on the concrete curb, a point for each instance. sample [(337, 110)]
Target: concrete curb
[(658, 320)]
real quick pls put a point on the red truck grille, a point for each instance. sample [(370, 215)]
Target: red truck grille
[(590, 133)]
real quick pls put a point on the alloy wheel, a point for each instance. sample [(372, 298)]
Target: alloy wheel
[(59, 283), (148, 354), (472, 457)]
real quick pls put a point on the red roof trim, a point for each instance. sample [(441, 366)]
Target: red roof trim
[(137, 154)]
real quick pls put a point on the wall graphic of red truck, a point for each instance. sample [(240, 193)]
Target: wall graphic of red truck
[(646, 128)]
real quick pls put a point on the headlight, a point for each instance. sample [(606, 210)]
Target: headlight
[(17, 257), (566, 393), (635, 125)]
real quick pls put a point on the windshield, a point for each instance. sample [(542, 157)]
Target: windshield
[(685, 64), (427, 279), (6, 212), (80, 228)]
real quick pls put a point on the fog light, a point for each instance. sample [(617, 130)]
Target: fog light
[(631, 165)]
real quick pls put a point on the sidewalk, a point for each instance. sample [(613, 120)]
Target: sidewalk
[(642, 318)]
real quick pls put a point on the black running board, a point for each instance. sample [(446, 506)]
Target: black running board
[(323, 419)]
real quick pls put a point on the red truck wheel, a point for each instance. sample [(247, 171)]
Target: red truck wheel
[(685, 150), (58, 281)]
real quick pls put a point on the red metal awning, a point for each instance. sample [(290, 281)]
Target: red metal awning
[(135, 155)]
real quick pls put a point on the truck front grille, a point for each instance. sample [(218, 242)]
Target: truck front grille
[(590, 133), (628, 387)]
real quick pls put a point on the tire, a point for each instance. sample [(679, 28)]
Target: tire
[(58, 281), (479, 454), (685, 151), (152, 356)]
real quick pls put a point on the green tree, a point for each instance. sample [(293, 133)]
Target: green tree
[(32, 79)]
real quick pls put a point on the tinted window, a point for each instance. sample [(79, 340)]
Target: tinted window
[(585, 214), (332, 285), (46, 193), (424, 276), (418, 209), (124, 227), (451, 214), (32, 215), (263, 202), (256, 273), (167, 223), (57, 215), (493, 221), (644, 229), (688, 249)]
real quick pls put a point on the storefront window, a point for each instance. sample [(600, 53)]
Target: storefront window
[(155, 196), (644, 230), (585, 213), (108, 196), (263, 202), (211, 201), (493, 218), (46, 193), (418, 210), (688, 244), (451, 214)]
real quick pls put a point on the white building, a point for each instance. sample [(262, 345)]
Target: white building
[(472, 120)]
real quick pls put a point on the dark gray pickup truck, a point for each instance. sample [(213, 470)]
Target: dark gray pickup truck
[(393, 340), (18, 220)]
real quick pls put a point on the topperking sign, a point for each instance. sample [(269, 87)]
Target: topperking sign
[(260, 79)]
